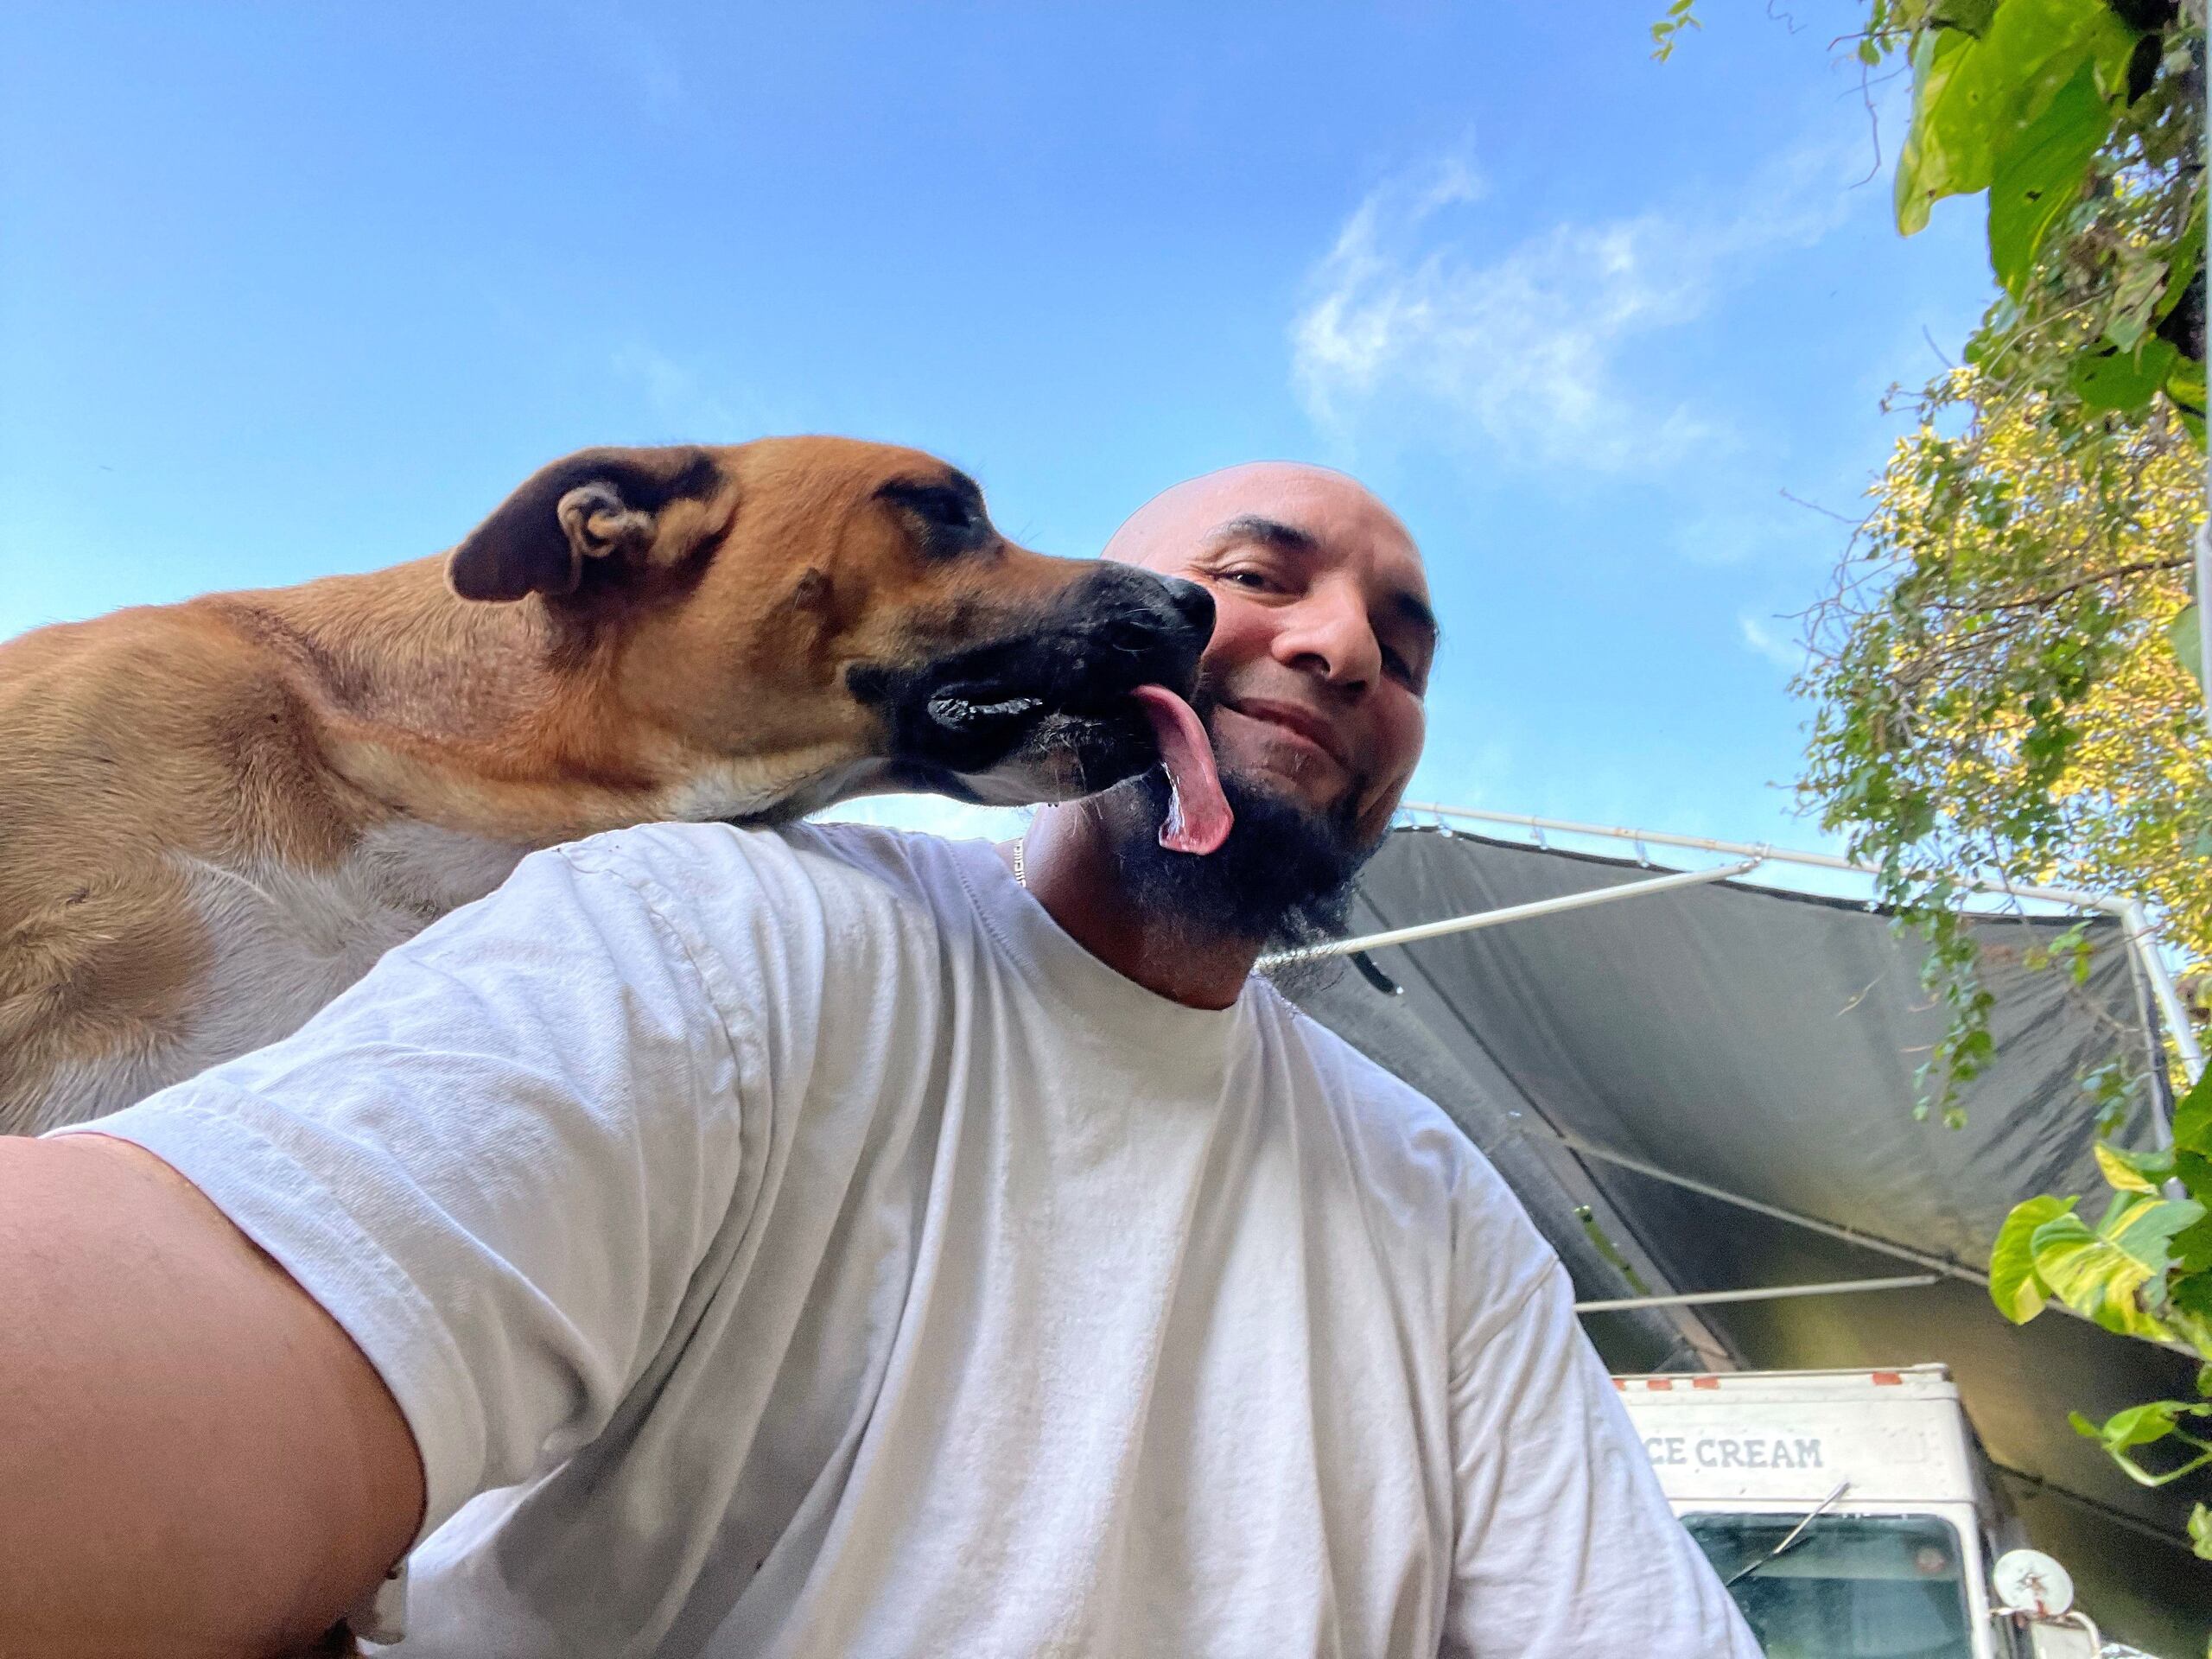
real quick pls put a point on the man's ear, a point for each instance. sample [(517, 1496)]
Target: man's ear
[(592, 504)]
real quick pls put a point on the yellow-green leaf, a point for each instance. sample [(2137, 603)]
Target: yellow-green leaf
[(2132, 1172), (2117, 1272), (2013, 1285), (2142, 1424), (1946, 147), (1971, 97)]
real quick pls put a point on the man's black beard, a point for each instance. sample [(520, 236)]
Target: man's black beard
[(1282, 879)]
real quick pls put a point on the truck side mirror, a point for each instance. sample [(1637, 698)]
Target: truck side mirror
[(2035, 1594)]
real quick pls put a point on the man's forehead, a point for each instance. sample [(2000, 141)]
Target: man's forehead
[(1262, 500)]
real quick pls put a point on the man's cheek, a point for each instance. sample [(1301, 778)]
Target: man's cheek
[(1416, 734), (1380, 797)]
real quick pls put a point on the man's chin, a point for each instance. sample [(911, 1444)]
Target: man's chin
[(1283, 877), (1327, 802)]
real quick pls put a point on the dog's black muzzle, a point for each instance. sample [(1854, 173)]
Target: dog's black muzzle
[(1044, 712)]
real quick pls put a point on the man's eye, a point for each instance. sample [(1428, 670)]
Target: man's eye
[(1241, 578)]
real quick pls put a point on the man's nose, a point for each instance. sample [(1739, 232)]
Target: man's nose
[(1327, 633)]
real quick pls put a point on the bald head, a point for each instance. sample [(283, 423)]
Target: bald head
[(1289, 494)]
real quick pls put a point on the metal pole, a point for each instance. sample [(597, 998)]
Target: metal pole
[(2140, 940), (1511, 913), (1700, 1298), (1941, 1264), (1741, 850)]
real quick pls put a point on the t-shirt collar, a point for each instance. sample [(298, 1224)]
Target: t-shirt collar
[(1100, 996)]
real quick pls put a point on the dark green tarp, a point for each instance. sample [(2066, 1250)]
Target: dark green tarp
[(1765, 1044)]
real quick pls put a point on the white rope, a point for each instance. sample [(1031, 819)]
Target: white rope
[(1467, 923), (1775, 1292)]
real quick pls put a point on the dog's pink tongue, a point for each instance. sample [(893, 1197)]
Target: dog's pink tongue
[(1198, 814)]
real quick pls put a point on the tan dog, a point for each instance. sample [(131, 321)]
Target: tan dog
[(215, 816)]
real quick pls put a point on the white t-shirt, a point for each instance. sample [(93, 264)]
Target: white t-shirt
[(793, 1244)]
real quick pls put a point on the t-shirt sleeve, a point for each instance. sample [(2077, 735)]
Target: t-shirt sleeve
[(1565, 1545), (495, 1159)]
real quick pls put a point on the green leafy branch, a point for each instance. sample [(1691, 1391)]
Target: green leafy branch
[(2081, 121), (2005, 675), (1667, 29), (2143, 1270), (1997, 693)]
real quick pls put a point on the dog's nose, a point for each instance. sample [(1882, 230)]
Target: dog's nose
[(1192, 603)]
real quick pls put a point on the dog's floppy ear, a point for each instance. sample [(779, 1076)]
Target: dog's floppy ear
[(592, 505)]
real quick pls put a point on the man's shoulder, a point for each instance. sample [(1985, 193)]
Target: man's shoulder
[(1381, 1107), (855, 871), (1408, 1149)]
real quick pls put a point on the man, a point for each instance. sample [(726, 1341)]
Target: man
[(812, 1244)]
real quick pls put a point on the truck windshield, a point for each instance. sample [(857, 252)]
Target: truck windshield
[(1854, 1586)]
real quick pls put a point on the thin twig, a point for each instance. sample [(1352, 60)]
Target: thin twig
[(1826, 512), (1873, 124)]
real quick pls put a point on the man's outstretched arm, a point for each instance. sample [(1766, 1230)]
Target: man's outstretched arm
[(194, 1457)]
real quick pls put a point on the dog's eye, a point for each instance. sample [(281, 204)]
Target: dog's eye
[(952, 520), (943, 507)]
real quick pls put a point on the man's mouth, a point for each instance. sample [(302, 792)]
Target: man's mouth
[(1301, 724)]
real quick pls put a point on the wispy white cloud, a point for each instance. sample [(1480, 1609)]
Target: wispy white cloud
[(683, 404), (1523, 352), (1770, 639), (1733, 527)]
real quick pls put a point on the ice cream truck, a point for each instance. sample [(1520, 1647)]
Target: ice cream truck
[(1848, 1514)]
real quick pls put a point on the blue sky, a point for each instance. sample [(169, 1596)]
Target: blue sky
[(291, 288)]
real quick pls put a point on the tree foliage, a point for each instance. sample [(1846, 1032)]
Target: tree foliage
[(1666, 33), (1996, 676), (2083, 121), (2004, 677), (1998, 689)]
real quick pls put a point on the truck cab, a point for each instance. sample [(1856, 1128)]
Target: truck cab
[(1847, 1511)]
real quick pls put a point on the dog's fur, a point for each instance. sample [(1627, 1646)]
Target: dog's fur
[(215, 816)]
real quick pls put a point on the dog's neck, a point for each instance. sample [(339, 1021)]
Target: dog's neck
[(395, 649), (487, 718)]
